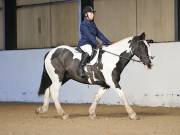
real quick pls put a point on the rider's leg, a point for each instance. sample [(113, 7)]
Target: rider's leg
[(85, 57)]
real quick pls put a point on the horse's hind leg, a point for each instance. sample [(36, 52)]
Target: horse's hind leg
[(45, 106), (97, 98), (54, 91)]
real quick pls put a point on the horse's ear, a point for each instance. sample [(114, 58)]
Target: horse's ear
[(129, 41), (142, 36)]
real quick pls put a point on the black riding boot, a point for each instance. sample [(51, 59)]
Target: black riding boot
[(85, 58)]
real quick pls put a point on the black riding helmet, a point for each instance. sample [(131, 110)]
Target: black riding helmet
[(88, 9)]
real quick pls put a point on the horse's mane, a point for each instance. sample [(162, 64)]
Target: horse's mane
[(119, 46)]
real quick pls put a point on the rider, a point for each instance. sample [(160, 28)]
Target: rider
[(88, 41)]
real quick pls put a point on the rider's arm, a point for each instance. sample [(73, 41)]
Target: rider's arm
[(86, 32), (101, 36)]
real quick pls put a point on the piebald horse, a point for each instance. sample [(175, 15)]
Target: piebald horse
[(62, 64)]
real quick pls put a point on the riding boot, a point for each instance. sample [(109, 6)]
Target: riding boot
[(85, 58)]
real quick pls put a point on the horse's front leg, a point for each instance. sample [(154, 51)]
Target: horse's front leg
[(98, 96), (130, 111)]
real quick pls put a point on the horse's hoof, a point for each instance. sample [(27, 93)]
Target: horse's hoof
[(41, 110), (36, 111), (134, 117), (65, 117), (92, 116)]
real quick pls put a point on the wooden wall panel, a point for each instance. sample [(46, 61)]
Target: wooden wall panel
[(1, 27), (29, 2), (1, 3), (156, 18), (120, 18), (1, 30), (49, 25), (33, 27), (65, 23), (116, 18)]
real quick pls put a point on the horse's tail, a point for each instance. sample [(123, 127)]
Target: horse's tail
[(45, 81)]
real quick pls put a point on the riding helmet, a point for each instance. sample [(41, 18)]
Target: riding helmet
[(88, 9)]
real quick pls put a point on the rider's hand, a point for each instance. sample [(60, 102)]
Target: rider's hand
[(99, 46), (112, 42)]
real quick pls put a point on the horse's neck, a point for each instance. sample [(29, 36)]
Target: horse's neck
[(125, 58), (119, 47)]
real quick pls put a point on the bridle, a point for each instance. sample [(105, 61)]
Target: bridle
[(134, 60)]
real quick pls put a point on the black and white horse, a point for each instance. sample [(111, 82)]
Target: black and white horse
[(62, 64)]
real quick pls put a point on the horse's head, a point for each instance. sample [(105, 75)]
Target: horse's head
[(140, 48)]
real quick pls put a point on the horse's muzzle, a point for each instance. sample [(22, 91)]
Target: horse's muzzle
[(149, 66), (147, 63)]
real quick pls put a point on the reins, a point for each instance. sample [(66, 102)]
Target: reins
[(134, 60)]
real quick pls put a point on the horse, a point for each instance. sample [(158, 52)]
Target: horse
[(62, 64)]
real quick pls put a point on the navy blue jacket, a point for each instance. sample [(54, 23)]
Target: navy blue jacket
[(89, 32)]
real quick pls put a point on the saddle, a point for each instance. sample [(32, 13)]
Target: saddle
[(95, 67), (94, 52)]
